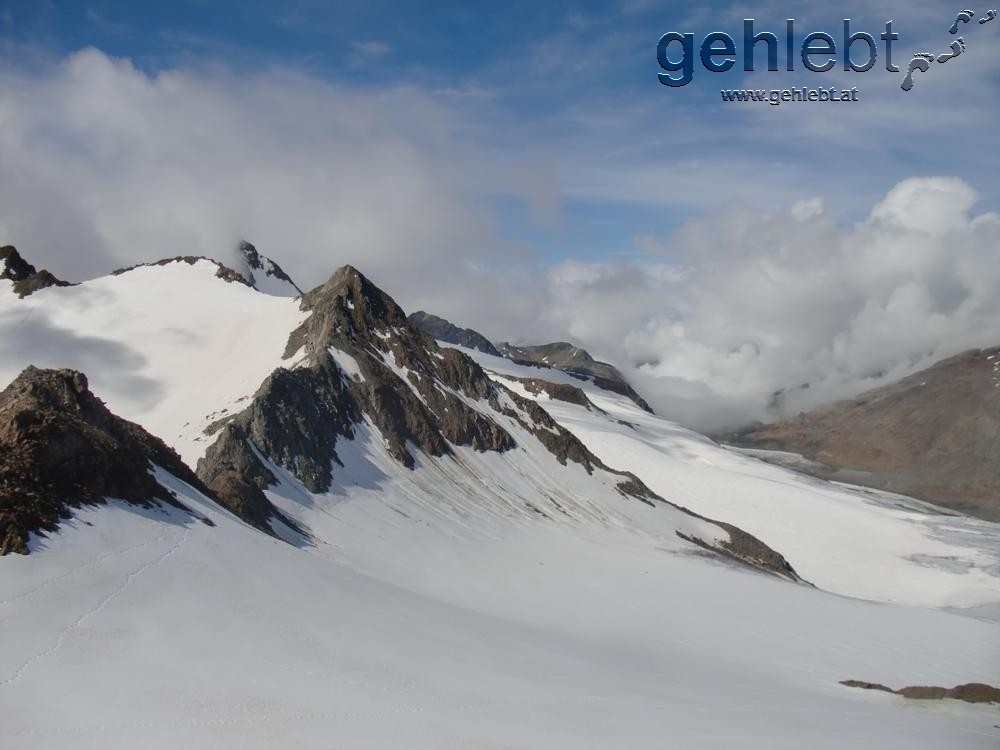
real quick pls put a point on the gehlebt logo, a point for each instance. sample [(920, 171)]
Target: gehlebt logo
[(817, 51)]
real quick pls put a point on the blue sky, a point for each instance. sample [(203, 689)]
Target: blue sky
[(576, 82), (520, 169)]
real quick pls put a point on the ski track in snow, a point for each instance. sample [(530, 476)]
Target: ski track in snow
[(96, 610), (77, 569)]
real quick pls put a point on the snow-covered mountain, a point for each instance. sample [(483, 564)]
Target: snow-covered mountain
[(396, 543)]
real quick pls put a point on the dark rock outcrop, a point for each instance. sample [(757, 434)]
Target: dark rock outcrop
[(746, 548), (259, 268), (443, 330), (563, 444), (60, 448), (972, 692), (558, 356), (574, 361), (933, 435), (562, 356), (222, 271), (559, 391), (26, 279)]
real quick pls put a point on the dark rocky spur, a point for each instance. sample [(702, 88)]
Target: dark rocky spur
[(61, 448)]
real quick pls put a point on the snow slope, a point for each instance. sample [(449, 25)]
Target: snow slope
[(171, 347), (149, 630), (482, 600), (848, 540)]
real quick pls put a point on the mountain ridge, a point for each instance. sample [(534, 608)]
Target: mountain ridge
[(559, 355), (356, 357), (931, 435)]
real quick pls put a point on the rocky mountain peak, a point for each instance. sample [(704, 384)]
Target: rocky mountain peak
[(356, 358), (26, 279), (263, 274), (13, 266), (359, 295), (60, 447), (562, 355)]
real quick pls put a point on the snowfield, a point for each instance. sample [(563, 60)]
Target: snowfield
[(479, 601), (170, 347), (849, 540)]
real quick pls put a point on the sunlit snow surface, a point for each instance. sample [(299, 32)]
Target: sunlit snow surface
[(849, 540), (171, 347), (456, 606)]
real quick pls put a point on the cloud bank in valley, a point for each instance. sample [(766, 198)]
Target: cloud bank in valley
[(104, 165), (772, 302)]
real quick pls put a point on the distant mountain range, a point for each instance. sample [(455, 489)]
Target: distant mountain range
[(559, 356)]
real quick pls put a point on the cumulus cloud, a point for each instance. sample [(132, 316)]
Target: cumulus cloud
[(104, 165), (764, 315)]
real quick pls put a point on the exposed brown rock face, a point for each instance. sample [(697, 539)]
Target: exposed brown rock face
[(298, 414), (748, 549), (430, 408), (934, 435), (60, 448), (357, 356), (972, 692), (559, 391), (563, 444), (26, 279)]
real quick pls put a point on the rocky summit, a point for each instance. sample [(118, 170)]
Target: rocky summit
[(355, 358), (60, 448), (264, 274), (26, 279)]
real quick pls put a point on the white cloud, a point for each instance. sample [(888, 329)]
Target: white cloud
[(372, 48), (104, 165), (776, 301)]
